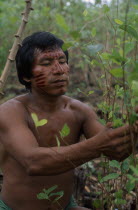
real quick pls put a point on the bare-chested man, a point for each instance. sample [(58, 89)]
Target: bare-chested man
[(36, 157)]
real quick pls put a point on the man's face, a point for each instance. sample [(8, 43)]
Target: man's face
[(50, 72)]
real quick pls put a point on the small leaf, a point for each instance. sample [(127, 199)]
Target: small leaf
[(41, 122), (42, 196), (93, 32), (61, 22), (58, 142), (130, 186), (85, 13), (114, 163), (60, 195), (117, 72), (118, 21), (34, 117), (134, 87), (119, 201), (67, 45), (65, 131), (49, 190), (109, 176), (129, 29), (90, 92), (105, 8)]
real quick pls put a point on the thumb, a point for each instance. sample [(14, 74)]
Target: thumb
[(109, 125)]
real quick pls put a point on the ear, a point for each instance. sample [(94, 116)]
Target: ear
[(27, 80)]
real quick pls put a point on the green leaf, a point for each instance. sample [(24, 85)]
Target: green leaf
[(85, 13), (42, 196), (129, 46), (49, 190), (61, 22), (109, 176), (105, 8), (41, 122), (93, 32), (90, 92), (67, 45), (135, 6), (134, 87), (119, 201), (93, 49), (65, 131), (34, 117), (135, 170), (129, 29), (125, 166), (60, 195), (36, 121), (133, 117), (58, 142), (118, 21), (117, 72), (114, 163), (119, 194), (97, 203), (130, 186)]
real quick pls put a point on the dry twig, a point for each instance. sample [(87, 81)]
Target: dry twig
[(16, 44)]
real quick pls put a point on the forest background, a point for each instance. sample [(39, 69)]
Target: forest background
[(102, 41)]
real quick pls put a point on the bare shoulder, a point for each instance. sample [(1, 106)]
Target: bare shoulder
[(81, 108), (12, 110)]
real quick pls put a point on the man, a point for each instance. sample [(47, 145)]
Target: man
[(39, 131)]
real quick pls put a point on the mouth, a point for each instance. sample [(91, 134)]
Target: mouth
[(60, 82)]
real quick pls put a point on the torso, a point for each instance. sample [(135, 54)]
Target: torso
[(20, 190)]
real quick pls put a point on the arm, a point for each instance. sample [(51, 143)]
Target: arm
[(22, 145), (116, 150)]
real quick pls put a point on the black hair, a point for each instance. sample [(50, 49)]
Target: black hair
[(26, 53)]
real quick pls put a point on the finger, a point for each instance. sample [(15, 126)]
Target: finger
[(109, 125), (121, 131)]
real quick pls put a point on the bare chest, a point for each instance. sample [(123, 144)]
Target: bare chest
[(60, 128)]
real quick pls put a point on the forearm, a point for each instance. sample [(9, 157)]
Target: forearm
[(56, 160)]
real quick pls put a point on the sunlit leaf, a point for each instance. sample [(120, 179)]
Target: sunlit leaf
[(93, 32), (36, 121), (118, 21), (61, 22), (41, 122), (90, 92), (49, 190), (85, 13), (117, 72), (65, 131), (105, 8)]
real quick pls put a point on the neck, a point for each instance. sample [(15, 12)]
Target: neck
[(45, 102)]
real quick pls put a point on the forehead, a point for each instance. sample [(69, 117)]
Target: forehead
[(50, 54)]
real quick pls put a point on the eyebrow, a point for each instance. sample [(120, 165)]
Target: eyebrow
[(48, 58)]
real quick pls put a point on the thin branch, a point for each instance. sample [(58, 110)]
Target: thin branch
[(16, 44)]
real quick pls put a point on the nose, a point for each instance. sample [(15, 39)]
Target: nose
[(57, 68)]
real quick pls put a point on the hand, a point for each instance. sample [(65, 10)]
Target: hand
[(115, 143)]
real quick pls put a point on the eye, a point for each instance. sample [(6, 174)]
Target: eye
[(62, 61), (45, 64)]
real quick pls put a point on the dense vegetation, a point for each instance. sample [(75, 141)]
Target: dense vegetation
[(103, 43)]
